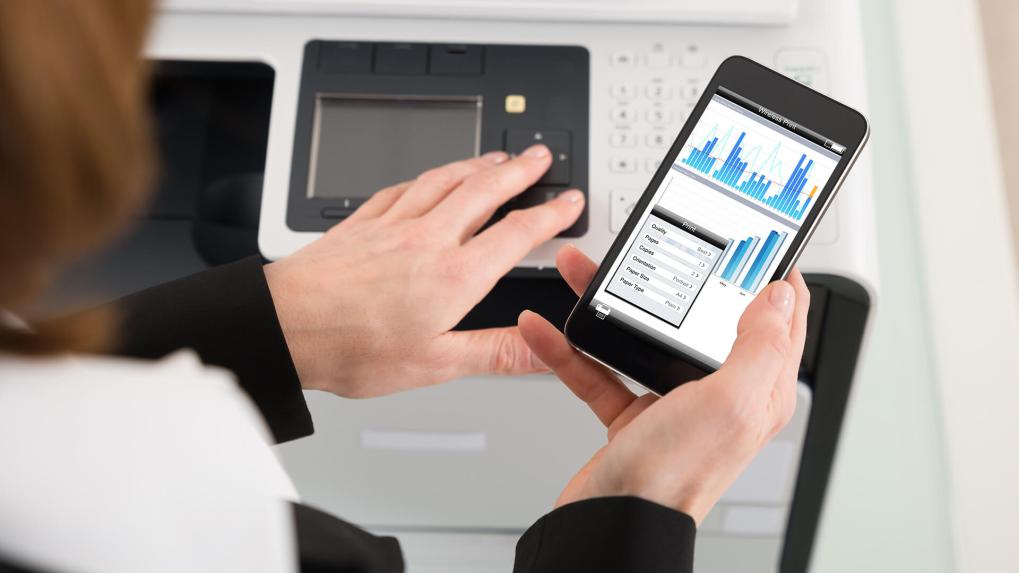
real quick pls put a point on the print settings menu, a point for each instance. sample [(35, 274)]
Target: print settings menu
[(667, 265)]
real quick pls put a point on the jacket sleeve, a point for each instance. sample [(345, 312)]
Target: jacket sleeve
[(609, 534), (226, 315), (329, 544), (325, 544)]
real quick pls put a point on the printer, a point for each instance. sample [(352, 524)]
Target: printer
[(277, 118)]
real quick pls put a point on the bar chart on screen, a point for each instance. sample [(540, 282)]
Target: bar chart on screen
[(756, 164), (792, 197), (755, 242), (746, 263)]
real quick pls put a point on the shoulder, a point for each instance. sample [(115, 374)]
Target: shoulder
[(93, 388), (104, 371), (129, 455)]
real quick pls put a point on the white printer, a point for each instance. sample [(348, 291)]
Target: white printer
[(248, 93)]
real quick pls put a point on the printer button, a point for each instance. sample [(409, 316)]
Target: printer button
[(693, 58), (623, 203), (345, 58), (455, 60), (401, 59), (622, 165), (533, 197), (558, 142), (336, 212), (623, 59)]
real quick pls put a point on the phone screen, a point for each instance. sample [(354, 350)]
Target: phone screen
[(718, 227)]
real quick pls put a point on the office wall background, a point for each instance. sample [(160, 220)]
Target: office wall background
[(951, 169), (887, 508)]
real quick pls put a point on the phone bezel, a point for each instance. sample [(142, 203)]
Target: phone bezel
[(651, 363)]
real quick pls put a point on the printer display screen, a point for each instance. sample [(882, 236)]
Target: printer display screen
[(364, 143), (717, 227)]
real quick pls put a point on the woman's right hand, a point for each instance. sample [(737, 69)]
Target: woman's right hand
[(684, 449)]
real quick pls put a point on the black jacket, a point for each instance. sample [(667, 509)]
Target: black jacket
[(227, 315)]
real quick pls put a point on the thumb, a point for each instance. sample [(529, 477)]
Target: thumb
[(763, 346), (490, 351)]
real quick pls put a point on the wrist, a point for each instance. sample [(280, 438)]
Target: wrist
[(660, 489), (298, 329)]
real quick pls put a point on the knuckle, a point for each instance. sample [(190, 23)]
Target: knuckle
[(383, 197), (771, 339), (805, 294), (590, 392), (506, 354), (778, 342), (772, 342), (506, 179), (391, 192), (438, 177), (524, 222)]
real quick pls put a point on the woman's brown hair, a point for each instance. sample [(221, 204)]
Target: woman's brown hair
[(74, 147)]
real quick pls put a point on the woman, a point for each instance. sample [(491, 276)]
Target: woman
[(119, 464)]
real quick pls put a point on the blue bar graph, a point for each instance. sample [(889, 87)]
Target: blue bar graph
[(738, 257), (790, 201), (753, 277), (700, 159)]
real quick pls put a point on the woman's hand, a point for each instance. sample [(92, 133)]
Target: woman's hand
[(367, 309), (685, 449)]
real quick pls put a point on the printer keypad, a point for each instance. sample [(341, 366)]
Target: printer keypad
[(651, 97)]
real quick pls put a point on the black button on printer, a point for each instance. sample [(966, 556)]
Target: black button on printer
[(336, 213), (557, 140), (455, 60), (345, 57), (403, 59), (344, 209)]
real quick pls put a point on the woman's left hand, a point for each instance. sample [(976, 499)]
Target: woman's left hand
[(685, 449), (368, 309)]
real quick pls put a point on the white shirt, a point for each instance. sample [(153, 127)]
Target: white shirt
[(120, 465)]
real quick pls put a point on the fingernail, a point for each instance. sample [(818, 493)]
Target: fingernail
[(781, 298), (496, 157), (573, 196), (537, 152)]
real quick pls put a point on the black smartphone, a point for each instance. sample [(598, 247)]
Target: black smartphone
[(734, 201)]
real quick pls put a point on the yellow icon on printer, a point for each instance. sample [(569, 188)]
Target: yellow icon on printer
[(516, 103)]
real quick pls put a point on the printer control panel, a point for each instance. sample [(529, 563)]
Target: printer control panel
[(374, 114)]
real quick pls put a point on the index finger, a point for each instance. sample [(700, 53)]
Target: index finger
[(496, 250), (467, 207), (429, 189)]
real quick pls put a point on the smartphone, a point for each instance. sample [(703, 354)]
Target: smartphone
[(734, 201)]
